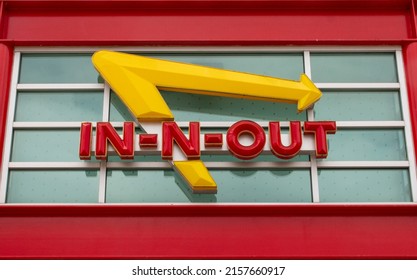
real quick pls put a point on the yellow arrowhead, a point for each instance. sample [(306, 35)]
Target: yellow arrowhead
[(136, 80), (196, 175)]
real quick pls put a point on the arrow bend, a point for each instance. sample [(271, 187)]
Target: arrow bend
[(136, 80)]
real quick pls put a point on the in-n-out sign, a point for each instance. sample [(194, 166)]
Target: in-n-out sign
[(190, 144), (136, 81)]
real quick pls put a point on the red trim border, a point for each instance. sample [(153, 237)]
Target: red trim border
[(314, 231)]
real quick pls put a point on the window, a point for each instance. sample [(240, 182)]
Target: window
[(371, 157)]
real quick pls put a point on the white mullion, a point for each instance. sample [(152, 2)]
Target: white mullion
[(347, 86), (37, 125), (313, 160), (54, 165), (407, 130), (106, 103), (214, 125), (212, 165), (37, 87), (9, 129), (370, 124), (103, 163), (363, 164)]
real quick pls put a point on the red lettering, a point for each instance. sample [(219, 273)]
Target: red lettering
[(190, 147), (320, 131), (107, 133), (86, 132), (277, 148), (245, 152)]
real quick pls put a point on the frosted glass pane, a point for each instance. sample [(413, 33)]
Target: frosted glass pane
[(366, 185), (353, 67), (191, 107), (57, 68), (287, 65), (263, 185), (63, 186), (45, 145), (370, 144), (267, 158), (359, 106), (233, 186), (59, 106), (142, 186)]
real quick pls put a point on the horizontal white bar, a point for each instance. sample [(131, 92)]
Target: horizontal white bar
[(55, 165), (210, 165), (358, 86), (362, 164), (37, 87), (40, 125), (210, 49), (370, 124), (219, 125)]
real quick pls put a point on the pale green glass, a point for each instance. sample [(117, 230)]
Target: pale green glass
[(354, 67), (359, 106), (45, 145), (367, 145), (48, 186), (192, 107), (59, 106), (266, 157), (57, 68), (233, 186), (142, 186), (364, 185)]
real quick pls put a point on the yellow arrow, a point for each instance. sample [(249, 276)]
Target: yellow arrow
[(136, 80)]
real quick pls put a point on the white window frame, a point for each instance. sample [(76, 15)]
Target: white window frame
[(313, 165)]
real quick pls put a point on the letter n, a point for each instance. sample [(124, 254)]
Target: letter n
[(106, 133), (190, 147)]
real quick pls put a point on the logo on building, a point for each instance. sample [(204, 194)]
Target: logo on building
[(137, 81)]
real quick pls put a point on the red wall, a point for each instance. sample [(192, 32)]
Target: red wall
[(212, 231)]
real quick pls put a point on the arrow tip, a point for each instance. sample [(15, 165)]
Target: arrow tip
[(313, 95)]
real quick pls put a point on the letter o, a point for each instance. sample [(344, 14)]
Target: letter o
[(241, 151)]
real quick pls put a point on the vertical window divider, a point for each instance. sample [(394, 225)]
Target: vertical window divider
[(9, 128), (103, 163), (407, 129), (310, 117)]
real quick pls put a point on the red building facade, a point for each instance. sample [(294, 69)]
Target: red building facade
[(210, 231)]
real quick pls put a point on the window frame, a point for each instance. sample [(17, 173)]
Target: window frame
[(313, 165)]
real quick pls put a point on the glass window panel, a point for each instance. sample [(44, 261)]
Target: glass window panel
[(192, 107), (281, 65), (45, 145), (233, 186), (364, 185), (367, 145), (46, 186), (353, 67), (57, 68), (359, 106), (131, 186), (263, 185), (59, 106)]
